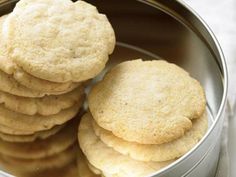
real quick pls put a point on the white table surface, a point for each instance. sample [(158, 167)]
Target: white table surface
[(220, 15)]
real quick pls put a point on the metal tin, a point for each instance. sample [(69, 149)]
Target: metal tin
[(154, 29)]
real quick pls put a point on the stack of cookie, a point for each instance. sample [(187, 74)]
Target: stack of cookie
[(144, 115), (29, 159), (48, 50), (46, 56)]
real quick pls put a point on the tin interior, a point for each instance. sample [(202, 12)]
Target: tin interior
[(151, 30)]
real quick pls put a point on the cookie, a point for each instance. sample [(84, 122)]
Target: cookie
[(43, 85), (47, 105), (58, 40), (25, 79), (148, 102), (13, 131), (19, 166), (30, 138), (42, 147), (83, 169), (32, 124), (9, 85), (109, 161), (162, 152), (6, 65)]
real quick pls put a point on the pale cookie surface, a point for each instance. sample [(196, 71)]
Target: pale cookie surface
[(162, 152), (42, 148), (29, 81), (47, 105), (22, 122), (58, 40), (148, 102), (13, 131), (18, 166), (29, 138), (6, 65), (34, 83), (9, 85), (110, 162)]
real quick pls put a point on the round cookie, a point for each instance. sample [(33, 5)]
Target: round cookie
[(43, 85), (25, 79), (30, 138), (19, 166), (59, 40), (32, 124), (148, 102), (6, 65), (162, 152), (13, 131), (9, 85), (45, 106), (42, 147), (109, 161)]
